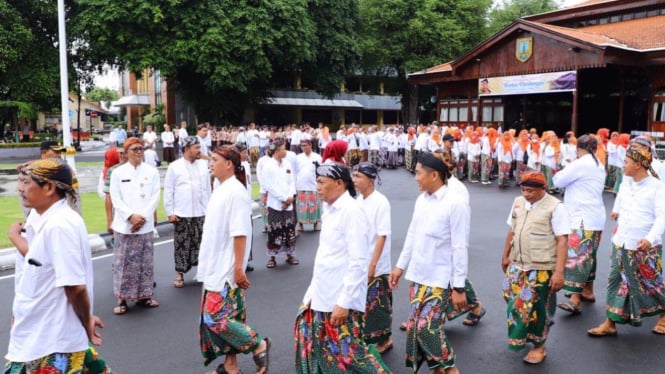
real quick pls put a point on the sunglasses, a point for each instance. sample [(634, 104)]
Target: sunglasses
[(136, 149)]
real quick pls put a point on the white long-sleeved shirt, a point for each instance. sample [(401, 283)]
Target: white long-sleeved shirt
[(436, 244), (377, 208), (584, 182), (186, 188), (641, 210), (612, 158), (278, 182), (548, 156), (421, 141), (260, 167), (504, 156), (168, 139), (228, 215), (342, 259), (473, 151), (568, 153), (306, 171), (134, 190)]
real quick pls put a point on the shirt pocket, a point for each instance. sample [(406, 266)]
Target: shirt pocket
[(541, 247)]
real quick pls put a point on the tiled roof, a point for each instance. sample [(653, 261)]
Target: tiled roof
[(583, 35), (644, 33), (589, 2), (435, 69)]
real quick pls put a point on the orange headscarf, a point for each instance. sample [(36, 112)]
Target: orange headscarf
[(492, 135), (624, 140), (507, 142), (524, 140), (603, 135), (600, 151), (535, 144), (412, 133), (474, 138), (436, 137)]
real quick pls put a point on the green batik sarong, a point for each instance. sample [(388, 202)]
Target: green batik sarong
[(485, 167), (471, 302), (379, 312), (530, 302), (425, 338), (581, 263), (55, 363), (324, 349), (635, 286), (222, 328), (308, 207)]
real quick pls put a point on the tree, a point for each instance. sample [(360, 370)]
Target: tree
[(102, 95), (223, 55), (399, 37), (508, 11)]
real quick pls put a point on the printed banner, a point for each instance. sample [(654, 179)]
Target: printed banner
[(528, 84)]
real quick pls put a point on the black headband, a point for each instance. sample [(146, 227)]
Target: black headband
[(337, 171), (433, 162)]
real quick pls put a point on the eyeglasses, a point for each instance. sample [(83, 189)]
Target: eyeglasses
[(136, 149)]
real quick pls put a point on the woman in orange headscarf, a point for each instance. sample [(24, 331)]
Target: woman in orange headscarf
[(613, 165), (488, 154), (534, 153), (622, 147), (551, 159), (473, 148), (505, 158), (408, 149), (521, 152), (568, 149)]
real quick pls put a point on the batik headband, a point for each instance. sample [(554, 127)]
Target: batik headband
[(337, 171), (641, 156), (368, 169), (51, 170), (190, 141)]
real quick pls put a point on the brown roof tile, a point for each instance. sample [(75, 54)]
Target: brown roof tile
[(584, 35), (644, 33)]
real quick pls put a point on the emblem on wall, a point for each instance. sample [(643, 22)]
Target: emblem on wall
[(524, 48)]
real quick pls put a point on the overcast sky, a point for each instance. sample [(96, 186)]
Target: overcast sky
[(110, 80)]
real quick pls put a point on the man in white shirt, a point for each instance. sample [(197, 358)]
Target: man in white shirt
[(295, 139), (379, 312), (534, 258), (150, 138), (635, 284), (583, 180), (182, 135), (201, 134), (168, 142), (150, 157), (253, 141), (435, 259), (135, 193), (186, 194), (278, 181), (52, 313), (308, 205), (264, 140), (336, 298)]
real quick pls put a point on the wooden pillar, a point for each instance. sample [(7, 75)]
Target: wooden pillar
[(573, 115), (381, 88), (298, 81), (379, 118), (298, 119), (622, 99)]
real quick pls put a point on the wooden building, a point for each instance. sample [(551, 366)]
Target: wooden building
[(598, 64)]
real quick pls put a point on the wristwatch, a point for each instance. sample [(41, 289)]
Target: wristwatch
[(458, 289)]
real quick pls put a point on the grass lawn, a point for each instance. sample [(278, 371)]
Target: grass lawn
[(93, 213)]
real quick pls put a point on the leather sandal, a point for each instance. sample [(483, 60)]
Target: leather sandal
[(262, 359)]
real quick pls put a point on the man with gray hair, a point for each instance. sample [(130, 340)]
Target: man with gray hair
[(186, 195)]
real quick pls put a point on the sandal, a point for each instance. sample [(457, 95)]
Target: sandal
[(534, 357), (472, 318), (121, 308), (292, 260), (148, 303), (601, 331), (570, 307), (403, 326), (179, 283), (271, 263), (659, 328), (582, 297), (262, 360)]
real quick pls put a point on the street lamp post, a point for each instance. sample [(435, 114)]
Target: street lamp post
[(64, 85)]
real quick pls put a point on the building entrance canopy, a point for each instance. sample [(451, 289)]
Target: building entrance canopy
[(564, 81)]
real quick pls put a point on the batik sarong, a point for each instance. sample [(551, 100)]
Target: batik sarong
[(617, 183), (222, 327), (504, 173), (383, 156), (281, 232), (408, 159), (485, 168), (187, 233), (379, 312), (55, 363), (324, 349), (308, 207), (426, 341), (471, 302), (93, 363), (400, 157), (264, 209), (133, 266), (549, 173), (611, 178), (528, 295), (581, 263), (474, 171), (520, 168), (374, 157), (391, 159), (461, 166), (635, 286)]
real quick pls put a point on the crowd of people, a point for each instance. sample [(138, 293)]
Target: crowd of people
[(309, 180)]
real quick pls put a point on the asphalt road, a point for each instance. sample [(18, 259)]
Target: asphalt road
[(165, 339)]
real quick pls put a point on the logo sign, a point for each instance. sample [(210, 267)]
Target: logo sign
[(524, 48)]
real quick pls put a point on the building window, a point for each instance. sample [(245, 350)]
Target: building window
[(158, 87), (659, 111)]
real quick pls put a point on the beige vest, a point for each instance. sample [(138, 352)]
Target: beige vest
[(534, 243)]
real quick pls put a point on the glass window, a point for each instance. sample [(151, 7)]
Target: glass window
[(444, 114), (453, 114), (474, 112), (659, 112), (487, 112), (463, 114), (498, 113)]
